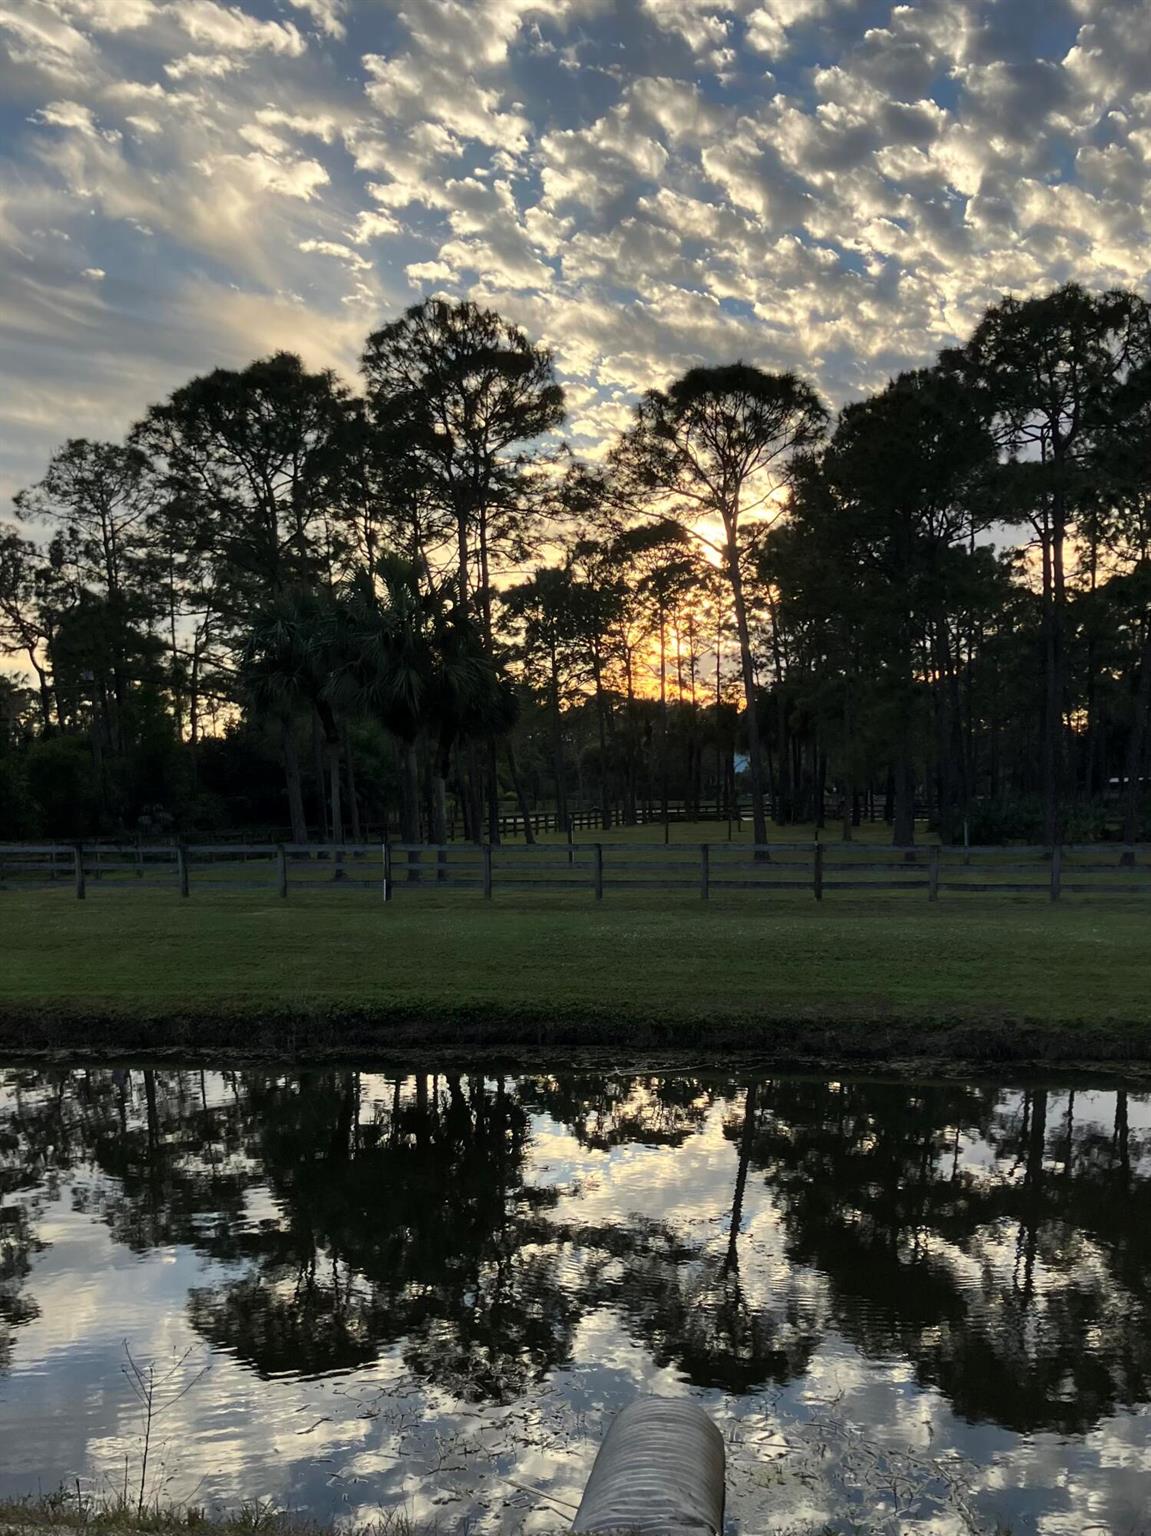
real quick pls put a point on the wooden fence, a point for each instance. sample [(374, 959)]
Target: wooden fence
[(510, 824), (592, 820), (403, 870)]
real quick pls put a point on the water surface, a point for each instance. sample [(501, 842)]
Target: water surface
[(914, 1307)]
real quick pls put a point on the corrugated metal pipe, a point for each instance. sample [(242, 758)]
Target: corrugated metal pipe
[(660, 1469)]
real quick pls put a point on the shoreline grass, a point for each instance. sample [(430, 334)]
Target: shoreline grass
[(865, 978), (70, 1509)]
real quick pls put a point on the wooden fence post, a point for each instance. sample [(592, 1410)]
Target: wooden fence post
[(81, 884), (704, 871), (571, 842), (817, 872), (488, 871), (598, 849), (282, 869), (1056, 872), (182, 868), (933, 873), (387, 870)]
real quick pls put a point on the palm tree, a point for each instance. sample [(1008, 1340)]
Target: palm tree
[(288, 663), (417, 662)]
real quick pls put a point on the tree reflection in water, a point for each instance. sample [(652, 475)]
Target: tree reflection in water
[(999, 1242), (1019, 1287)]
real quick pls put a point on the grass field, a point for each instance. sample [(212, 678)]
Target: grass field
[(142, 966)]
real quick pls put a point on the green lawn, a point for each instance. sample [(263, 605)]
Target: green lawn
[(636, 968)]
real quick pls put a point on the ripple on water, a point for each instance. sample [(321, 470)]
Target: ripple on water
[(912, 1306)]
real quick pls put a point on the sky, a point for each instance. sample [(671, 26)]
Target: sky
[(834, 186)]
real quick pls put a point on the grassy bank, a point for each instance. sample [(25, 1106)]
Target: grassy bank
[(69, 1510), (866, 979)]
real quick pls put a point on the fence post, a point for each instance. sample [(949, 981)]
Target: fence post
[(282, 869), (817, 872), (598, 850), (1056, 872), (704, 871), (488, 871), (182, 868), (571, 842), (933, 873), (387, 870), (81, 884)]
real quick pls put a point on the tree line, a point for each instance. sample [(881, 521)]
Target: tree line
[(282, 603)]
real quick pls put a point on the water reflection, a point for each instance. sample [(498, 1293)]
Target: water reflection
[(541, 1248)]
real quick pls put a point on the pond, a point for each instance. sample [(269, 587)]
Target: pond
[(908, 1306)]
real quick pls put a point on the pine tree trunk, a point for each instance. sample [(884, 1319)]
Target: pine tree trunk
[(353, 797), (333, 753), (295, 793), (1137, 742), (493, 782), (558, 744), (410, 793), (521, 798), (747, 667)]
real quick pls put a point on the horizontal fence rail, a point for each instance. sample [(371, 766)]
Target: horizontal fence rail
[(391, 869)]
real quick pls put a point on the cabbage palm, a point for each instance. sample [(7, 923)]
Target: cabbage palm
[(289, 662), (416, 662)]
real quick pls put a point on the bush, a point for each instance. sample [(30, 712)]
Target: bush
[(1017, 819), (63, 784), (18, 816), (1020, 819)]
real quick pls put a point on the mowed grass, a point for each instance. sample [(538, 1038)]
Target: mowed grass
[(635, 956)]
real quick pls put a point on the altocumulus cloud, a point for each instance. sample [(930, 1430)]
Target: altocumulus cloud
[(833, 185)]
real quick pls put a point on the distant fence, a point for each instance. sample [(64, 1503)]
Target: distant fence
[(592, 820), (403, 869), (509, 824)]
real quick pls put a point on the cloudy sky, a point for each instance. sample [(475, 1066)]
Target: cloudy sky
[(833, 185)]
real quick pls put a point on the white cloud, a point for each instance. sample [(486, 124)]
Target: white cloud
[(701, 23), (405, 89), (229, 28), (327, 14), (71, 115), (372, 225), (423, 273), (109, 15), (769, 24), (207, 66), (39, 39), (595, 166), (269, 172), (341, 252)]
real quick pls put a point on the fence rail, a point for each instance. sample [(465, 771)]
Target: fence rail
[(401, 869)]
